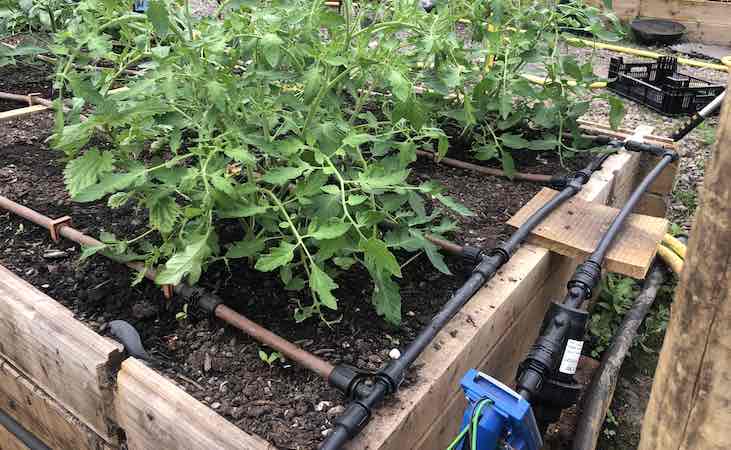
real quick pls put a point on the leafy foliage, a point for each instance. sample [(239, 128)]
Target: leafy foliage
[(33, 15), (296, 125), (615, 299)]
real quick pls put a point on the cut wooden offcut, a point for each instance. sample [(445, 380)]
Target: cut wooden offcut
[(574, 230)]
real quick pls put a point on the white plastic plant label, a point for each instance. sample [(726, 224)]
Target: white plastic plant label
[(571, 357)]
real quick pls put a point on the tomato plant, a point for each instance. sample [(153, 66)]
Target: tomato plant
[(296, 125)]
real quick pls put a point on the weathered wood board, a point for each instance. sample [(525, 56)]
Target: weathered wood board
[(156, 414), (21, 112), (575, 228), (708, 22), (9, 442), (41, 415), (60, 354)]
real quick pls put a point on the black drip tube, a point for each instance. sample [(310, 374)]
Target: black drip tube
[(23, 435), (540, 377), (387, 380)]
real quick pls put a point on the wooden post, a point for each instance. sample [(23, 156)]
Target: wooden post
[(690, 404)]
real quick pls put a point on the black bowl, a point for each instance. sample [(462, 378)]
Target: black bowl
[(657, 31)]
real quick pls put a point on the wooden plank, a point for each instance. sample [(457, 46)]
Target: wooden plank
[(575, 228), (41, 415), (156, 414), (8, 441), (665, 182), (688, 10), (689, 403), (481, 323), (58, 353), (651, 204), (21, 112)]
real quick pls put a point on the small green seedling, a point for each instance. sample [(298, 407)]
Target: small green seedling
[(269, 358), (182, 315)]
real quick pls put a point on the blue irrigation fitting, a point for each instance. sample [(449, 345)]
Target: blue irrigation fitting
[(140, 6), (508, 418)]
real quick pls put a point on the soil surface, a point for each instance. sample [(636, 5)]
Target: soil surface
[(25, 79), (218, 365)]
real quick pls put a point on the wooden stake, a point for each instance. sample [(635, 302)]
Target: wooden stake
[(689, 405)]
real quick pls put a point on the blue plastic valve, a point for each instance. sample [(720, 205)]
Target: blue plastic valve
[(507, 422)]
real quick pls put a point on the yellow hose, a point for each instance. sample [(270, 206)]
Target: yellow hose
[(671, 259), (648, 54), (538, 80), (674, 244)]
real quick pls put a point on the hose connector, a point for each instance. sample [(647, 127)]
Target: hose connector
[(200, 303), (472, 255), (655, 150), (586, 277)]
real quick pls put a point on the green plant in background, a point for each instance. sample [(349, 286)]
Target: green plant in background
[(22, 16), (294, 127), (615, 298)]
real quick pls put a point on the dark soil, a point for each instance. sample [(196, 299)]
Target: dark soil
[(282, 403), (25, 79)]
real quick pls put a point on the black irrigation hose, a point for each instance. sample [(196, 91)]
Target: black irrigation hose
[(387, 380), (539, 376), (698, 118), (23, 435)]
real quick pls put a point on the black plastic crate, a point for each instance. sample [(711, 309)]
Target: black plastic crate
[(659, 86)]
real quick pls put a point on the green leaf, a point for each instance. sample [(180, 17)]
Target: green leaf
[(270, 47), (355, 139), (279, 256), (356, 199), (157, 14), (329, 230), (323, 285), (245, 248), (164, 213), (514, 141), (508, 163), (281, 175), (377, 177), (386, 297), (89, 251), (85, 170), (187, 262), (455, 206), (240, 154), (240, 211), (437, 259), (109, 183), (400, 86), (378, 255), (542, 144), (616, 112)]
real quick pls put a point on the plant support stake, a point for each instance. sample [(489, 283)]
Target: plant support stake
[(364, 399)]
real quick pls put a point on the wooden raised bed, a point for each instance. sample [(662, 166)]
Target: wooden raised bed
[(708, 22), (68, 386)]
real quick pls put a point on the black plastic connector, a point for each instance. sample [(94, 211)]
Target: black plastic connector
[(201, 304), (586, 277), (652, 149), (472, 255), (560, 324)]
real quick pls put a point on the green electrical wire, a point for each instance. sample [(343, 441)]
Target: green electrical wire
[(472, 426)]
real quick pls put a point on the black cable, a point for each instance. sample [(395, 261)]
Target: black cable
[(605, 243), (23, 435)]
